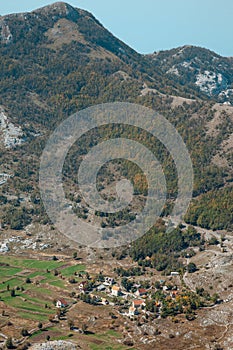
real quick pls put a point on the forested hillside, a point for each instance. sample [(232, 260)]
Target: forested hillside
[(58, 60)]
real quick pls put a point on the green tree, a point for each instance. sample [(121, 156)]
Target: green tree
[(191, 267), (9, 343)]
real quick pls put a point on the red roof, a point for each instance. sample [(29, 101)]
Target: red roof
[(138, 302), (175, 292), (142, 291)]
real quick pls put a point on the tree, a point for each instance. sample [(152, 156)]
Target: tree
[(127, 284), (40, 325), (101, 277), (9, 343), (150, 305), (191, 267), (12, 293), (213, 241), (84, 327), (75, 255), (24, 332), (215, 298)]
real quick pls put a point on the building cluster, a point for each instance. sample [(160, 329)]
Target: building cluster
[(109, 292)]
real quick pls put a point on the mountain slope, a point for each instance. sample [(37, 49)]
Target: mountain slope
[(59, 59), (48, 50), (198, 68)]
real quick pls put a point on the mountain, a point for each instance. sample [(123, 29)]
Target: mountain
[(48, 55), (55, 61), (59, 59), (198, 68)]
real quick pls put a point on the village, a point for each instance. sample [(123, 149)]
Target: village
[(132, 298), (47, 294)]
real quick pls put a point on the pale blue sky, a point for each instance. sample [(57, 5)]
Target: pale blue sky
[(153, 25)]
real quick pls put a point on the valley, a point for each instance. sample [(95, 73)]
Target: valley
[(170, 289)]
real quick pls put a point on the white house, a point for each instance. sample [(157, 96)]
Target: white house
[(132, 311), (101, 287), (174, 273), (108, 281), (116, 291), (61, 303), (83, 286)]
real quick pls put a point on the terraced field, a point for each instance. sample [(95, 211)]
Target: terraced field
[(35, 285)]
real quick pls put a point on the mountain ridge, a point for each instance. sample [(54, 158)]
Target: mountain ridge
[(204, 69), (55, 65), (180, 67)]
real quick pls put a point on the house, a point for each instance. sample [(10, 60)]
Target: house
[(104, 301), (83, 286), (101, 287), (132, 311), (174, 293), (116, 291), (108, 281), (141, 292), (174, 273), (138, 303), (61, 303)]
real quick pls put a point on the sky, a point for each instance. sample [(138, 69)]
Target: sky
[(154, 25)]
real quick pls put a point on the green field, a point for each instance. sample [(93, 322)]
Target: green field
[(68, 271), (30, 298), (30, 263)]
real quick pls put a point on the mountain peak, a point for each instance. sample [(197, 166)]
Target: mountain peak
[(59, 9), (56, 6)]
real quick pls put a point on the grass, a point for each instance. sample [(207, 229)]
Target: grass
[(63, 337), (69, 271), (108, 334), (30, 303), (13, 282), (36, 300), (58, 283), (7, 271), (36, 333), (31, 263), (33, 317), (39, 290), (35, 274), (113, 333), (32, 308), (107, 341)]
